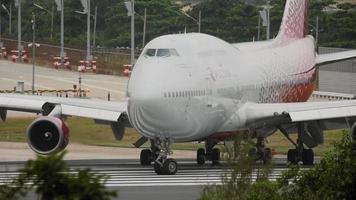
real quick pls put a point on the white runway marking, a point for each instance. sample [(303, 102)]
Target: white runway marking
[(146, 177)]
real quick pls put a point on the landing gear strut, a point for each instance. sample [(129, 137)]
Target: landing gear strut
[(300, 153), (260, 152), (147, 156), (212, 154), (163, 165)]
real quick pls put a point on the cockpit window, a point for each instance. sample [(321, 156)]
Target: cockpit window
[(150, 52), (163, 53), (173, 52)]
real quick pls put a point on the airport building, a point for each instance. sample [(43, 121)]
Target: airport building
[(337, 77)]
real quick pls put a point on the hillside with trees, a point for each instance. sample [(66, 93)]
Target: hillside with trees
[(231, 20)]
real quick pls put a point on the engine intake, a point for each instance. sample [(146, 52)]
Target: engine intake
[(47, 135)]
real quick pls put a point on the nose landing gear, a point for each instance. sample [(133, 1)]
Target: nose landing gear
[(164, 165)]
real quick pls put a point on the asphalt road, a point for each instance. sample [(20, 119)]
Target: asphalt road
[(134, 181)]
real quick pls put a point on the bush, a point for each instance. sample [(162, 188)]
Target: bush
[(333, 178), (53, 180)]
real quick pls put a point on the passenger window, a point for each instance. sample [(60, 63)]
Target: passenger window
[(150, 52)]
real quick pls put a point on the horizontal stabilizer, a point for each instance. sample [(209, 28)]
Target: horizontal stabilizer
[(335, 57)]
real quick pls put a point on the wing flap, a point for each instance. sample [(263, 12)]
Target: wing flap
[(323, 59)]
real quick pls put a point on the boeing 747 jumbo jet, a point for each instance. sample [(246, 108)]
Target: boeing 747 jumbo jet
[(196, 87)]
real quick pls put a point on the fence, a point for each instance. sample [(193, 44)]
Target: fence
[(109, 61)]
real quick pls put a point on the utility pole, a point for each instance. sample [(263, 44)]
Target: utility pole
[(33, 51), (317, 34), (133, 32), (259, 27), (95, 18), (52, 16), (88, 35), (10, 19), (199, 22), (62, 32), (268, 20), (144, 29), (0, 30), (19, 46)]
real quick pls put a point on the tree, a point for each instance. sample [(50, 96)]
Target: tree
[(53, 180)]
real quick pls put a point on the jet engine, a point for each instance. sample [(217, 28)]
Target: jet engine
[(47, 135), (312, 134)]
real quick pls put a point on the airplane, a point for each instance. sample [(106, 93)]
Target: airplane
[(196, 87)]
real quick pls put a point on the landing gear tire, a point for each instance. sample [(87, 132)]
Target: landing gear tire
[(169, 167), (201, 156), (267, 157), (292, 156), (215, 156), (308, 157), (146, 157), (252, 153), (158, 168)]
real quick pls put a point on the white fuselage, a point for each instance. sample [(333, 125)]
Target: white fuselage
[(202, 85)]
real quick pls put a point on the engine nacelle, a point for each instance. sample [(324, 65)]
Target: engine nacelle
[(47, 135), (312, 134)]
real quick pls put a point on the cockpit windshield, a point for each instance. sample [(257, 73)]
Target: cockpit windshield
[(161, 52), (150, 52)]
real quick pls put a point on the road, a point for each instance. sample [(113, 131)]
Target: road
[(134, 181), (51, 79)]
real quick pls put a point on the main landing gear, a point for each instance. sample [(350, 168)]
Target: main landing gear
[(300, 153), (148, 156), (212, 154), (160, 149), (260, 152)]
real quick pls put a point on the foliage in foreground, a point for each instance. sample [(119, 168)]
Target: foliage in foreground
[(333, 178), (51, 179)]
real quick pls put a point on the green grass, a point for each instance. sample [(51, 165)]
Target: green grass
[(85, 131)]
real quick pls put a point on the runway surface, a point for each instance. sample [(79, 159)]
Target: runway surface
[(134, 181)]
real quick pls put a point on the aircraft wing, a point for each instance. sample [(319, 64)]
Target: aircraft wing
[(330, 115), (99, 110), (323, 59)]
